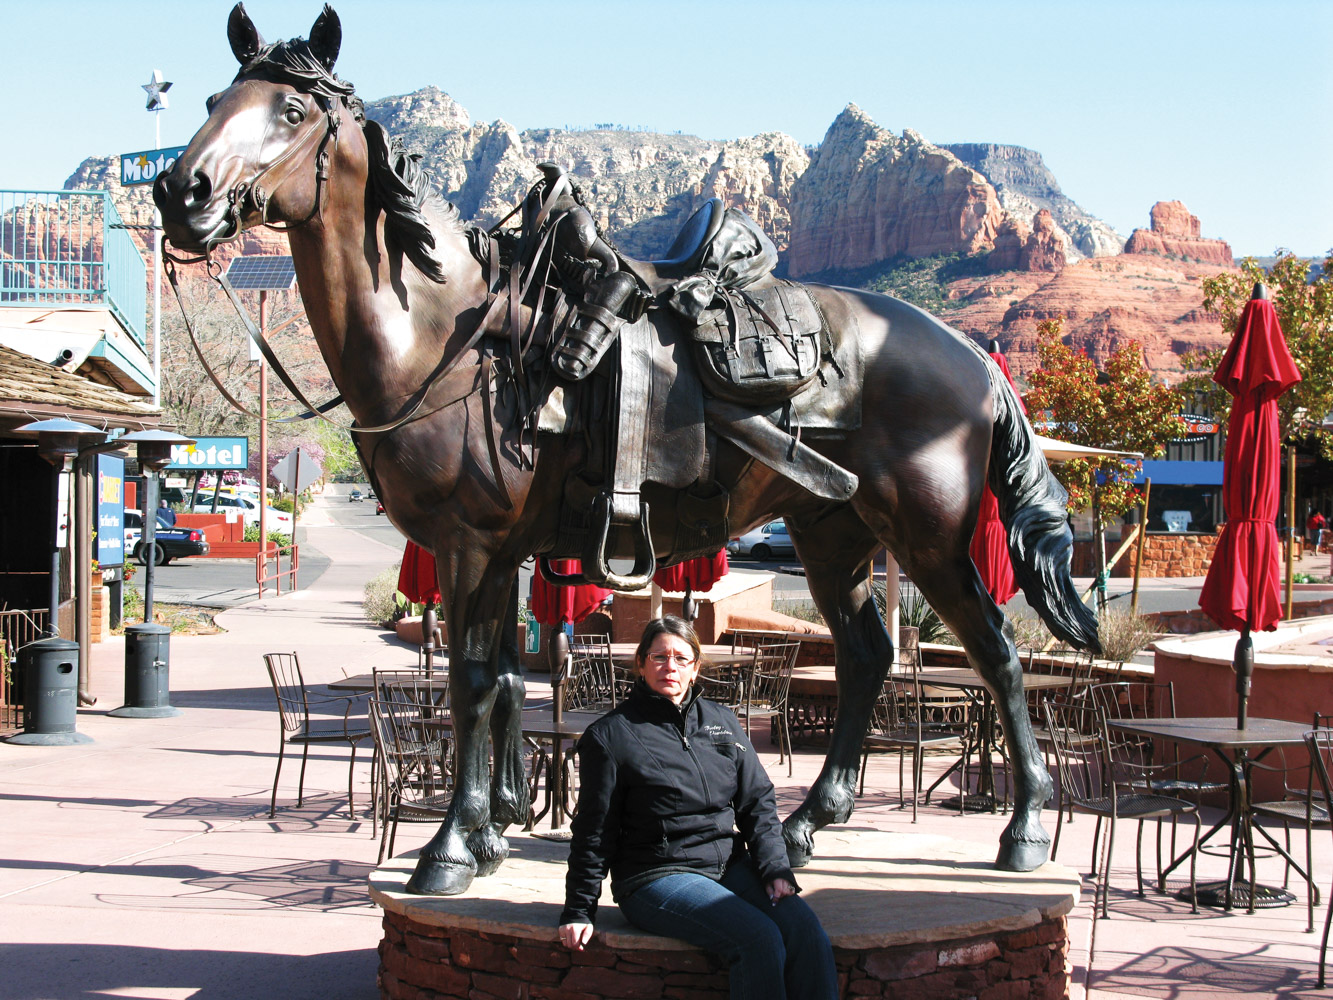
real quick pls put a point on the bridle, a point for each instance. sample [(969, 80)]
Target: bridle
[(250, 190)]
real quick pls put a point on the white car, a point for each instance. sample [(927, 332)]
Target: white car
[(763, 543), (277, 520)]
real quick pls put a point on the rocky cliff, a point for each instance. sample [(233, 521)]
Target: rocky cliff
[(1018, 248), (869, 196), (1173, 232), (1025, 185)]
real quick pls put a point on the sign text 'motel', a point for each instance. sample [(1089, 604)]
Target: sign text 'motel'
[(211, 453), (144, 166)]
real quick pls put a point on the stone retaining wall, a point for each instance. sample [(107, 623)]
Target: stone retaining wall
[(422, 962)]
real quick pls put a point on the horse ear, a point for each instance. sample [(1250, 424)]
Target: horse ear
[(326, 37), (244, 37)]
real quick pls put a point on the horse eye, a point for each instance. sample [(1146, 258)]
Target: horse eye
[(295, 114)]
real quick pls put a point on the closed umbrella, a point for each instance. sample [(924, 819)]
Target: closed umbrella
[(553, 605), (419, 584), (1241, 590), (990, 540), (686, 577)]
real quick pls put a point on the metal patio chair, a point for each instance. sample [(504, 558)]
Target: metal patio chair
[(296, 726)]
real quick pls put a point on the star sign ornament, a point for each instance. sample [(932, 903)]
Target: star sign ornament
[(157, 91)]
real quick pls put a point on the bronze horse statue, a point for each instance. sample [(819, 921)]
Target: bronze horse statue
[(403, 308)]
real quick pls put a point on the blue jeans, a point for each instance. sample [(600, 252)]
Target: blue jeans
[(774, 952)]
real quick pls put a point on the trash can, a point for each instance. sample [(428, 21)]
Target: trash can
[(50, 669), (147, 669)]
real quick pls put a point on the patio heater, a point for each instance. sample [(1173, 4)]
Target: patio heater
[(147, 646), (50, 666)]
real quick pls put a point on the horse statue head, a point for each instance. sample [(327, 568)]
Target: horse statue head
[(273, 143)]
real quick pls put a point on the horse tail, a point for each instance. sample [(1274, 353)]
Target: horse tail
[(1033, 508)]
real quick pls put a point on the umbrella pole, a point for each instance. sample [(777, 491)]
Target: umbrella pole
[(1293, 536), (428, 636), (1138, 554), (1244, 667)]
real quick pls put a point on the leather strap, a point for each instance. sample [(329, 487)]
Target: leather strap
[(631, 439), (780, 451)]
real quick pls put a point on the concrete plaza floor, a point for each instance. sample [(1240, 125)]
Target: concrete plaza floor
[(144, 865)]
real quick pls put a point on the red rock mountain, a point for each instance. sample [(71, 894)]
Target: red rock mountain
[(869, 196), (1174, 232)]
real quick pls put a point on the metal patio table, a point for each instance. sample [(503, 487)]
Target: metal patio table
[(1234, 748)]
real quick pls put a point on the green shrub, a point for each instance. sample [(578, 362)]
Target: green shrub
[(381, 596), (276, 537)]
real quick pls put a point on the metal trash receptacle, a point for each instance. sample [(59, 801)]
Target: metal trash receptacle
[(147, 673), (50, 669)]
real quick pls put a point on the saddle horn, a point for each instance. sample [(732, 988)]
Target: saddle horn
[(326, 37), (243, 35)]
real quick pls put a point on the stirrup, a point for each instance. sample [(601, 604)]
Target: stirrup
[(587, 341), (596, 567)]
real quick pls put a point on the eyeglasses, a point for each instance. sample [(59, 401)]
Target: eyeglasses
[(662, 659)]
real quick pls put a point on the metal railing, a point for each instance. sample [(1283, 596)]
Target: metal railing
[(274, 553), (63, 248), (17, 629)]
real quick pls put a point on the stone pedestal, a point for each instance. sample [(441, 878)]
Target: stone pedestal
[(909, 915)]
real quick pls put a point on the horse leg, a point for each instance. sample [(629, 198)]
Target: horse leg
[(836, 555), (476, 592), (509, 786), (954, 589)]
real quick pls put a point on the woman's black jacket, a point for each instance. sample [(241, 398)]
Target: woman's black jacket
[(664, 789)]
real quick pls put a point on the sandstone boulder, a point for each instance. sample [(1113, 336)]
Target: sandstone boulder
[(1174, 232)]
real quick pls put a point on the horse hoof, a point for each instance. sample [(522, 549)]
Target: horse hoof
[(439, 878), (490, 850), (800, 848), (1021, 855)]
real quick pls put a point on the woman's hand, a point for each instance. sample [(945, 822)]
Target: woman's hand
[(779, 888), (575, 936)]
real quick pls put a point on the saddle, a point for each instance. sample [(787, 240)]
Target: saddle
[(745, 348)]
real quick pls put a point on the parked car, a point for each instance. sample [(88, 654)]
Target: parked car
[(763, 543), (278, 520), (169, 543), (354, 496)]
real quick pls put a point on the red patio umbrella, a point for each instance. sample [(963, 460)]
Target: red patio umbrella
[(693, 574), (416, 576), (990, 540), (1241, 590), (553, 605), (418, 583)]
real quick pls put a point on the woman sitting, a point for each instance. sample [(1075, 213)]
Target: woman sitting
[(665, 781)]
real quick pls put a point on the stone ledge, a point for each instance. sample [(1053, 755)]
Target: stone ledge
[(941, 889)]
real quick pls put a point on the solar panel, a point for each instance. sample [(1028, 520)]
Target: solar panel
[(264, 272)]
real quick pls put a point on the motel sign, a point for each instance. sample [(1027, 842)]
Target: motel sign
[(143, 167)]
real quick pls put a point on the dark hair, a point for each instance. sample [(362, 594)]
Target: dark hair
[(666, 625)]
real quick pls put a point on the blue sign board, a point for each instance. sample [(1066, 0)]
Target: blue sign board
[(110, 511), (144, 166), (211, 453)]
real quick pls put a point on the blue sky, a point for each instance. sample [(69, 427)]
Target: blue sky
[(1221, 105)]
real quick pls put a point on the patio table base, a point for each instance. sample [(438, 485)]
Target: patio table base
[(1214, 894)]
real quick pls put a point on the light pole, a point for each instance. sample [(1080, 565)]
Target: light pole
[(157, 88), (50, 665), (147, 646)]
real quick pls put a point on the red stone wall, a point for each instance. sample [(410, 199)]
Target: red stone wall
[(1164, 555), (424, 962)]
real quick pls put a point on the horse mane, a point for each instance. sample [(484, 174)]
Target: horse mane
[(400, 184)]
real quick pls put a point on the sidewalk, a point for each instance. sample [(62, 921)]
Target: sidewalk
[(145, 866)]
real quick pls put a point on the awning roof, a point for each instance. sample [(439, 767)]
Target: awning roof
[(34, 390), (1063, 451)]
